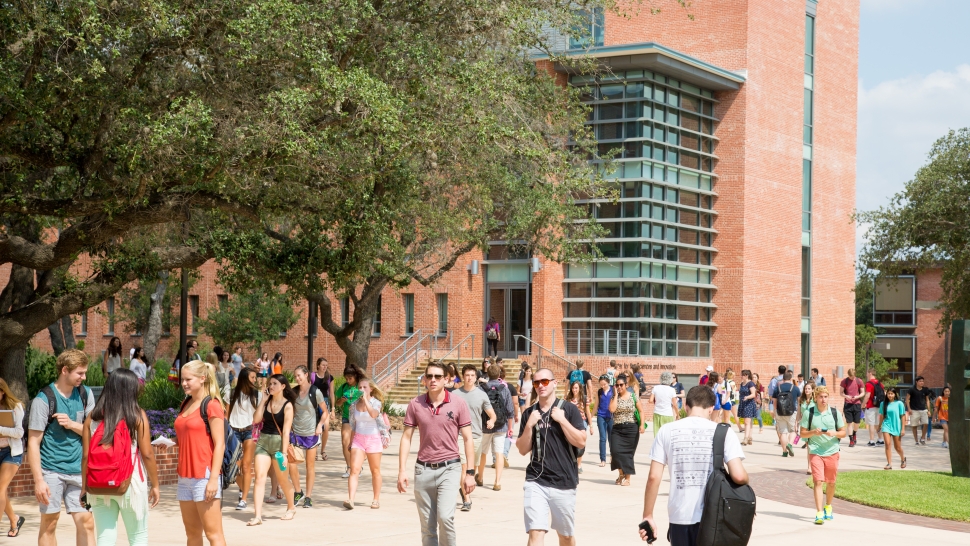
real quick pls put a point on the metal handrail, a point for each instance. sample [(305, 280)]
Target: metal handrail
[(517, 337), (458, 348), (393, 366)]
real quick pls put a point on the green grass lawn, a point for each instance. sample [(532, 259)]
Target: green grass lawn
[(932, 494)]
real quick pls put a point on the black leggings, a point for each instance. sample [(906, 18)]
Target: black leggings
[(492, 347)]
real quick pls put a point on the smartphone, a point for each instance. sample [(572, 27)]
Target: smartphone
[(824, 430), (84, 502), (651, 536)]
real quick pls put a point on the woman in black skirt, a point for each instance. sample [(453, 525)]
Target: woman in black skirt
[(626, 430)]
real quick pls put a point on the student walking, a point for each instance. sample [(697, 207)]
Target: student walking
[(201, 448), (347, 395), (686, 447), (553, 432), (853, 390), (111, 358), (805, 403), (729, 408), (324, 383), (748, 407), (493, 438), (824, 426), (368, 431), (117, 431), (875, 395), (663, 397), (714, 383), (493, 333), (604, 417), (943, 415), (242, 408), (138, 365), (54, 448), (786, 406), (275, 413), (761, 400), (480, 411), (11, 454), (628, 425), (918, 402), (894, 419), (679, 389), (309, 414), (576, 397), (262, 370), (439, 418)]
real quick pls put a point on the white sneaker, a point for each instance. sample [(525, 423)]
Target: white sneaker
[(346, 473), (945, 445)]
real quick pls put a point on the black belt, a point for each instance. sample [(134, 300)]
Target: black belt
[(442, 464), (247, 429)]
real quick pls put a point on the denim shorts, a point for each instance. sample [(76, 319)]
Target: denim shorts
[(243, 435), (7, 458)]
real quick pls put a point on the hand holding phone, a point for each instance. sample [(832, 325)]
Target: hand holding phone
[(651, 535)]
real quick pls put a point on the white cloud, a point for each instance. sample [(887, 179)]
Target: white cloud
[(898, 122)]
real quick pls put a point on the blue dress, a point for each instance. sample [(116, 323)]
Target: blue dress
[(748, 408)]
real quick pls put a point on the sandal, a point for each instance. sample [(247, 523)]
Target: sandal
[(904, 463), (254, 522), (375, 505), (348, 505), (625, 482), (323, 455), (290, 514), (618, 480), (887, 467), (16, 529), (279, 495)]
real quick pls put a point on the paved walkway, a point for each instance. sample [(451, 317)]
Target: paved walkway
[(606, 513)]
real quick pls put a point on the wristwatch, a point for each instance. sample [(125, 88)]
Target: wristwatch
[(470, 472)]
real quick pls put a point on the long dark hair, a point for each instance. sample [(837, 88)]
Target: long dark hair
[(118, 402), (111, 345), (288, 391), (885, 405), (244, 387)]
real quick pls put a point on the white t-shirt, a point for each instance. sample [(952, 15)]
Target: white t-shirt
[(686, 447), (243, 411), (138, 368), (662, 395)]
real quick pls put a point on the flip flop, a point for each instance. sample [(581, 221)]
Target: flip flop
[(254, 522), (290, 514), (375, 505), (904, 463), (16, 530), (323, 455), (348, 505)]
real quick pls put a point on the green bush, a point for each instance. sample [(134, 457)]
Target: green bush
[(95, 377), (41, 370), (767, 419), (161, 394)]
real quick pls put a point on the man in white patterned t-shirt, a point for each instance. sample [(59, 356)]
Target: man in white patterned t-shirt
[(687, 447)]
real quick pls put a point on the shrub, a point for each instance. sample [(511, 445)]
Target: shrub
[(767, 418), (161, 394), (41, 370), (95, 377)]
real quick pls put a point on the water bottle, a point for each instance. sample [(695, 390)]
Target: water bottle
[(280, 461)]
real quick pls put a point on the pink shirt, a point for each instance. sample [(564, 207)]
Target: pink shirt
[(438, 427)]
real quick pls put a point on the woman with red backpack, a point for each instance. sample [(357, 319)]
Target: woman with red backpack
[(118, 469)]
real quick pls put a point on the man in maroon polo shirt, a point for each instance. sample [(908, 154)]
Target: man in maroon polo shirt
[(439, 418)]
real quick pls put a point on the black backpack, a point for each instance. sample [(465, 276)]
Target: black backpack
[(498, 406), (878, 394), (811, 416), (786, 401), (729, 508), (233, 450)]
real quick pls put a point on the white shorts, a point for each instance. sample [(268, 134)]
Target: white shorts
[(872, 417), (477, 442), (193, 489), (541, 502), (785, 424), (65, 489), (495, 440)]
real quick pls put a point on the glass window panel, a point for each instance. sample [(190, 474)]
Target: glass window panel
[(611, 92), (690, 103), (610, 111), (631, 150), (807, 134), (577, 271), (607, 309), (687, 274), (808, 106), (656, 271), (673, 98), (806, 185), (607, 270), (688, 121), (809, 35), (672, 156), (658, 153), (658, 171), (634, 90), (633, 109), (658, 113), (689, 140), (706, 185), (579, 290), (672, 195), (658, 134), (672, 252), (658, 252), (809, 64), (673, 137), (659, 94), (691, 180), (708, 108), (508, 272), (609, 131), (673, 118), (657, 213), (671, 234), (578, 309), (657, 232), (632, 129), (631, 269), (607, 290)]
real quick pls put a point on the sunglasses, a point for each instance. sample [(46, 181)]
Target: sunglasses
[(435, 376), (621, 384), (541, 382)]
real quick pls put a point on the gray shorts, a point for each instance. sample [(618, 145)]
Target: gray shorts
[(66, 489), (193, 489), (541, 502)]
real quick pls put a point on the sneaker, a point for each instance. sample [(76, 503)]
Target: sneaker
[(346, 473), (240, 495), (466, 507), (819, 518), (297, 496), (871, 444), (580, 469), (827, 511), (945, 445), (791, 450), (307, 502), (917, 443), (852, 442), (784, 453), (241, 505), (880, 443), (922, 442)]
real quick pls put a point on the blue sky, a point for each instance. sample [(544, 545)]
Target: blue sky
[(914, 85)]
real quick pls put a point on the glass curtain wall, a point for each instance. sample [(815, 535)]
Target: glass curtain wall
[(656, 278), (807, 140)]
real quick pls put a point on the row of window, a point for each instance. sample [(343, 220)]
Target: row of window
[(647, 130), (632, 189), (644, 111), (643, 91), (657, 291), (667, 154), (657, 171), (656, 339), (442, 304), (658, 232), (653, 78), (636, 270), (635, 309), (653, 211)]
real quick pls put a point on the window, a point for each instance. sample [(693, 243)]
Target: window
[(110, 308), (894, 302), (588, 30), (194, 312), (376, 326), (442, 314), (408, 314), (806, 281), (84, 324), (903, 350), (223, 301), (344, 312)]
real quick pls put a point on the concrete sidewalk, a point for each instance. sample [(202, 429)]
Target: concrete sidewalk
[(606, 513)]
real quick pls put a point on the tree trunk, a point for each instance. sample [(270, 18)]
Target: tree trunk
[(154, 331), (67, 325), (13, 369), (957, 379), (354, 338), (57, 338)]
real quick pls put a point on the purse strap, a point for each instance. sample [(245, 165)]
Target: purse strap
[(275, 422)]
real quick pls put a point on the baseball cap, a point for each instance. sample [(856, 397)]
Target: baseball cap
[(710, 368)]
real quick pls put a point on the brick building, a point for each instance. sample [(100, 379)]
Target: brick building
[(731, 244)]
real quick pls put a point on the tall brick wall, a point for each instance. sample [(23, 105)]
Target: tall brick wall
[(930, 345)]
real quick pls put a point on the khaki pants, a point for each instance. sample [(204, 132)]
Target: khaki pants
[(435, 493)]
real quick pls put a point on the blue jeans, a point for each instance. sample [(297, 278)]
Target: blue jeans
[(605, 427)]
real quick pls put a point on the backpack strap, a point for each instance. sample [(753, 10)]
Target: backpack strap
[(835, 417), (720, 434), (51, 404), (203, 411), (811, 415)]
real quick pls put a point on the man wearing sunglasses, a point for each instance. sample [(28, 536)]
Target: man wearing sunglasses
[(554, 433), (439, 418)]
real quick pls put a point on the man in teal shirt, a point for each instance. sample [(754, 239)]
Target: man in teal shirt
[(823, 426), (54, 449)]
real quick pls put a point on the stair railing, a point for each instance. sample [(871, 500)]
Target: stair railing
[(529, 341), (390, 365), (458, 348)]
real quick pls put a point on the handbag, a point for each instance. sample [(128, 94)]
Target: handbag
[(293, 454)]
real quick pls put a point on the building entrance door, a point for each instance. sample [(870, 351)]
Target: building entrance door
[(510, 305)]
